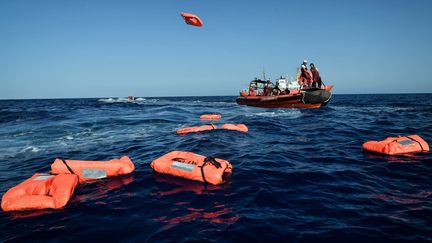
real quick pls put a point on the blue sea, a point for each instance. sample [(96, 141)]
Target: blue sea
[(299, 175)]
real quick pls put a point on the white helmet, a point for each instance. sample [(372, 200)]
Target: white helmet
[(304, 61)]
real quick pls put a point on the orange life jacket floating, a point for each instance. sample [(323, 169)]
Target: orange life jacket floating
[(210, 117), (193, 167), (89, 170), (192, 19), (397, 145), (41, 191), (235, 127), (186, 130)]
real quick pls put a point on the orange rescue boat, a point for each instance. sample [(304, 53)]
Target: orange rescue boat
[(285, 94)]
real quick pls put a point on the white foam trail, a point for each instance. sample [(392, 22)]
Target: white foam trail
[(291, 114), (32, 149)]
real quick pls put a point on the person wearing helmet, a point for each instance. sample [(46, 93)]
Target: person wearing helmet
[(316, 78)]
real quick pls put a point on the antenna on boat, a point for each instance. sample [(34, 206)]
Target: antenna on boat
[(264, 74)]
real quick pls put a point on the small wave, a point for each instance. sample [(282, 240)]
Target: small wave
[(32, 149), (292, 114)]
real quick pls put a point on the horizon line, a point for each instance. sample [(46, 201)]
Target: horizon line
[(66, 98)]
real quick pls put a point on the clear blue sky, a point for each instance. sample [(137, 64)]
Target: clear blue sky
[(103, 48)]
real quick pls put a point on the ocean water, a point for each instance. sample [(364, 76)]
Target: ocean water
[(299, 174)]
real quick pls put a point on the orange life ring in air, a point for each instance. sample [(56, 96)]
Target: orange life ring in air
[(186, 130), (40, 191), (235, 127), (210, 117), (193, 167), (397, 145), (89, 170)]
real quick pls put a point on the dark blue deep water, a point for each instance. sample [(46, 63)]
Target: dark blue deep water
[(299, 175)]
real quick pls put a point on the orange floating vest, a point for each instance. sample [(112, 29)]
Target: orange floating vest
[(186, 130), (40, 191), (210, 117), (192, 19), (88, 170), (397, 145), (193, 167), (235, 127)]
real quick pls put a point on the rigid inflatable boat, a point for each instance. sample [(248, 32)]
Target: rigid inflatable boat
[(285, 94)]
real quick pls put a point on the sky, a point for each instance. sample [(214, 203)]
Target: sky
[(113, 48)]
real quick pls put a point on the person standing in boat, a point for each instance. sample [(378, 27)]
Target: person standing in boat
[(305, 76), (317, 82)]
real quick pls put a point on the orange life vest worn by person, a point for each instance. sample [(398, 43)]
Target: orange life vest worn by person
[(193, 167), (252, 91), (316, 78), (305, 76), (397, 145), (41, 191)]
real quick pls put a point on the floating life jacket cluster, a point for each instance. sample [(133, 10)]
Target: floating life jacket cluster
[(53, 191), (397, 145), (43, 191)]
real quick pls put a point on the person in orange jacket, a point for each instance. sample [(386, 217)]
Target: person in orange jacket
[(316, 78), (305, 76)]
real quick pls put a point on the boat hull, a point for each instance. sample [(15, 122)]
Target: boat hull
[(298, 100)]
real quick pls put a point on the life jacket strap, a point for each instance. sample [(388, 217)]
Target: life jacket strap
[(417, 142), (209, 160), (67, 166)]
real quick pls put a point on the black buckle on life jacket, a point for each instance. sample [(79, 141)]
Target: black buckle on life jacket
[(212, 161), (209, 160)]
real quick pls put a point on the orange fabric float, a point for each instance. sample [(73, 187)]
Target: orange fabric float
[(192, 19), (40, 191), (235, 127), (210, 117), (186, 130), (193, 167), (88, 170), (397, 145)]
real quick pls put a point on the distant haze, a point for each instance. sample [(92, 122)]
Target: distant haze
[(59, 49)]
